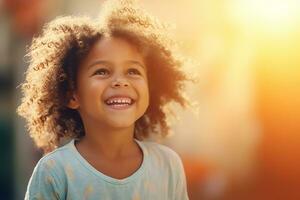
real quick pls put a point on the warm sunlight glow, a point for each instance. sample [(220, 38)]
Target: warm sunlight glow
[(267, 15)]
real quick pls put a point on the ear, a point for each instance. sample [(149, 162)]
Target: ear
[(73, 102)]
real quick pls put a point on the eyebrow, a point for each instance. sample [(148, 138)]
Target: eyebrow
[(110, 63), (99, 62), (136, 62)]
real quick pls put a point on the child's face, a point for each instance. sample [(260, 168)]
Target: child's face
[(112, 89)]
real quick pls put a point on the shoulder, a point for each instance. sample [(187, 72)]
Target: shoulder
[(164, 161), (160, 151), (159, 148), (58, 156), (48, 179), (54, 163)]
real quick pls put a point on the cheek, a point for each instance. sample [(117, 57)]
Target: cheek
[(145, 92), (92, 90)]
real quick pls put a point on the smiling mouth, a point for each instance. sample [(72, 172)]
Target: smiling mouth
[(119, 102)]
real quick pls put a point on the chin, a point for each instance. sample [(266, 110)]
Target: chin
[(121, 124)]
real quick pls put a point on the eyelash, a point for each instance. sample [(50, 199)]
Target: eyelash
[(136, 72), (106, 71), (101, 70)]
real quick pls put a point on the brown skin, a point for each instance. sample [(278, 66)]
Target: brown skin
[(112, 67)]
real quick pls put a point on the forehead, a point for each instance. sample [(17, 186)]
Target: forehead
[(113, 49)]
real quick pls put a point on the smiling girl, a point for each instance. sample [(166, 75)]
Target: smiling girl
[(103, 84)]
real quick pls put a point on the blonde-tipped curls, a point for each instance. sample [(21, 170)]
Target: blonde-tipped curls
[(53, 62)]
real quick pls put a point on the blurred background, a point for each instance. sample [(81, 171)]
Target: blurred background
[(241, 138)]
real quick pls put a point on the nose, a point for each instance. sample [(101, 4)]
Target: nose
[(119, 82)]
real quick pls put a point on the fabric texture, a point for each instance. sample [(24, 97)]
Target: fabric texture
[(65, 174)]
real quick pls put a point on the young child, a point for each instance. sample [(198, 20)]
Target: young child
[(104, 85)]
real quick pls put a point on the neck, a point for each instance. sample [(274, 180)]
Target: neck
[(108, 142)]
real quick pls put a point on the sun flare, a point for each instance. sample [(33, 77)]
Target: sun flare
[(267, 15)]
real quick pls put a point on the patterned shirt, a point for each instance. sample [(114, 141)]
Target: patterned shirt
[(65, 174)]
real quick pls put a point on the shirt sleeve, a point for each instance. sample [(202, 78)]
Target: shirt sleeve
[(181, 186), (43, 184)]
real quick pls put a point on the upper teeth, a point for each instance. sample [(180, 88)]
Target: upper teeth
[(119, 100)]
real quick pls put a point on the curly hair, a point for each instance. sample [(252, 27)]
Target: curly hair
[(53, 62)]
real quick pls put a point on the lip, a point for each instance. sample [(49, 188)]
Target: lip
[(119, 96), (120, 106)]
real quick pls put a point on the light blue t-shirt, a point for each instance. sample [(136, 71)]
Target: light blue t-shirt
[(65, 174)]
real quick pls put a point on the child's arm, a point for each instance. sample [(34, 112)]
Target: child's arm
[(44, 184)]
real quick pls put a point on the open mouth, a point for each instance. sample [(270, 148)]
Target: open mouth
[(119, 102)]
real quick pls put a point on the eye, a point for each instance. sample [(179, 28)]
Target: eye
[(133, 71), (102, 72)]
